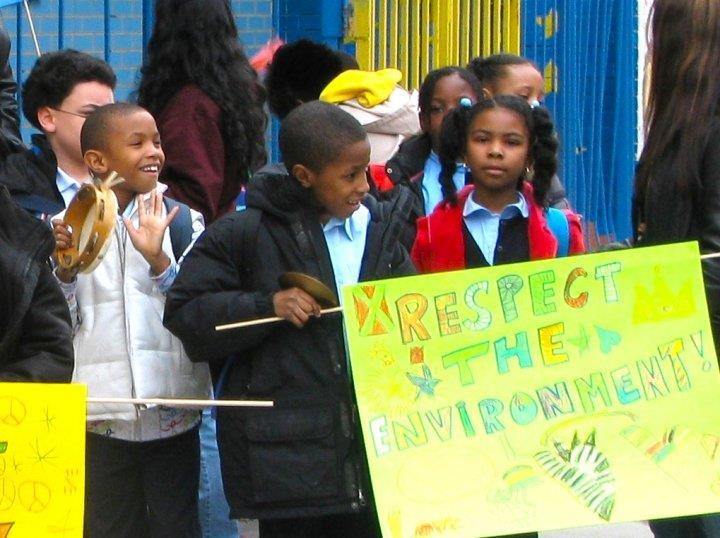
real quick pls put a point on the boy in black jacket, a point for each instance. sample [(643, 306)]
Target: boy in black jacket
[(299, 466)]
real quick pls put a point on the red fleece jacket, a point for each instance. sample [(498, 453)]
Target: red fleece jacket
[(440, 243), (197, 170)]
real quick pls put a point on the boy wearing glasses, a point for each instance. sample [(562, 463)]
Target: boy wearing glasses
[(61, 90)]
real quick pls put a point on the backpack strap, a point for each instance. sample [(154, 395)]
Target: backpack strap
[(559, 226), (181, 229)]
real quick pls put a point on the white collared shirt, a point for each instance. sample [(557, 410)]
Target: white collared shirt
[(484, 225)]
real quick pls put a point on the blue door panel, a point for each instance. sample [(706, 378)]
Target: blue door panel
[(593, 46)]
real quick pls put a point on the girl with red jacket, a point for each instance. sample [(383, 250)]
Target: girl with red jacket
[(503, 216)]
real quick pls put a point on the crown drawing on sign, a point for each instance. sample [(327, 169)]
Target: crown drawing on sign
[(661, 303)]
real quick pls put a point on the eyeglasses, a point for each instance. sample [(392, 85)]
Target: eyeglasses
[(83, 115)]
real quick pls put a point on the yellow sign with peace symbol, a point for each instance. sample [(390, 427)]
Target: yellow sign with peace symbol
[(42, 453)]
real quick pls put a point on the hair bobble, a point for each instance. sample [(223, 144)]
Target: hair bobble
[(466, 102)]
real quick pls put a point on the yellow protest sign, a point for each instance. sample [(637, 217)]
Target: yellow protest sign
[(540, 395), (42, 459)]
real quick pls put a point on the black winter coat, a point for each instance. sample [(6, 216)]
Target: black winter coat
[(303, 457), (30, 176), (10, 141), (35, 331)]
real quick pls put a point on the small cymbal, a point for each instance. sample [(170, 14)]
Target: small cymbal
[(319, 291)]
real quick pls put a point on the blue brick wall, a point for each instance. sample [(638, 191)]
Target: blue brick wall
[(109, 29), (254, 21)]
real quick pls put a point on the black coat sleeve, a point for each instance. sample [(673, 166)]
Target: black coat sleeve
[(214, 287), (44, 351), (709, 216), (10, 140), (402, 263)]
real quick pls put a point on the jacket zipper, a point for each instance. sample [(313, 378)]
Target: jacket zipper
[(122, 251)]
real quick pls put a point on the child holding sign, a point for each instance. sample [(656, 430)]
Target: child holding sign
[(502, 217)]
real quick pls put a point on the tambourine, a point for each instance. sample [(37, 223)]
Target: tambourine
[(91, 215)]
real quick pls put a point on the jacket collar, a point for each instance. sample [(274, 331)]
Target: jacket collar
[(409, 160), (448, 240)]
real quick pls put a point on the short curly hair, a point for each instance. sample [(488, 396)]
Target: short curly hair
[(300, 71), (54, 76)]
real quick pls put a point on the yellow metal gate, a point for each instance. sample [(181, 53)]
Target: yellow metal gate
[(416, 36)]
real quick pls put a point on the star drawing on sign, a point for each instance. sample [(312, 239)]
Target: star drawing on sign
[(425, 384)]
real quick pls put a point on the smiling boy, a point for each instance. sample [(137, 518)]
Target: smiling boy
[(298, 467), (142, 464)]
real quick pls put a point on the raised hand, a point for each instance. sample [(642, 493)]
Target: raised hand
[(147, 238)]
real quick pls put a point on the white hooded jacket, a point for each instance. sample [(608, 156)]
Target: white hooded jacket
[(122, 349)]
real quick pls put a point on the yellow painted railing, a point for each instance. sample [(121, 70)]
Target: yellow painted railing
[(416, 36)]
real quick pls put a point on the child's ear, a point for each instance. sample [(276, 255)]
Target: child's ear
[(96, 162), (303, 174), (46, 119), (486, 93)]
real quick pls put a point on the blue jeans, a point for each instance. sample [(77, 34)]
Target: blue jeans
[(215, 519)]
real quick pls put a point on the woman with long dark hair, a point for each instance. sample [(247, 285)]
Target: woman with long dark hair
[(199, 85), (197, 82), (677, 187)]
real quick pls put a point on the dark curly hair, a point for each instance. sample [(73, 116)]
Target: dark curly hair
[(55, 75), (543, 143), (196, 42), (300, 71)]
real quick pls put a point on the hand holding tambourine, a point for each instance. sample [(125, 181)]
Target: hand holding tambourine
[(83, 235)]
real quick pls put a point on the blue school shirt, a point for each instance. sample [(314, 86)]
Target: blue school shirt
[(431, 189), (346, 244), (67, 186), (484, 225)]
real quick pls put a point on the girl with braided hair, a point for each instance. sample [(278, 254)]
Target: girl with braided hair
[(501, 217)]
